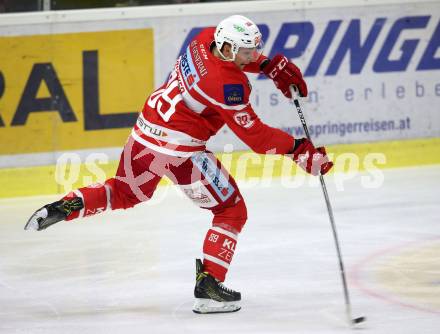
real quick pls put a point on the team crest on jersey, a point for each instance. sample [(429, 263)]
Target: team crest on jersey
[(234, 94), (243, 119)]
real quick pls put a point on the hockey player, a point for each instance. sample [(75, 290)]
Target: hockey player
[(206, 89)]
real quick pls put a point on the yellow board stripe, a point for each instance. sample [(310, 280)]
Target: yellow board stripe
[(41, 180)]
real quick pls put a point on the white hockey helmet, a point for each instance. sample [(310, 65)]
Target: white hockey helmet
[(239, 32)]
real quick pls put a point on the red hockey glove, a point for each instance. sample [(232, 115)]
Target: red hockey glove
[(284, 74), (313, 160)]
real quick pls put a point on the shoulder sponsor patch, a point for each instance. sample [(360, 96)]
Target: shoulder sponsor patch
[(234, 94), (243, 119), (188, 70)]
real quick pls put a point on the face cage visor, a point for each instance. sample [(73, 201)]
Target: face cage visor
[(250, 54)]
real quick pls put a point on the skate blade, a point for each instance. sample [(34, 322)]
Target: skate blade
[(206, 306), (33, 222)]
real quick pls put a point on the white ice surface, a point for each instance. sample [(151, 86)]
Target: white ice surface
[(133, 271)]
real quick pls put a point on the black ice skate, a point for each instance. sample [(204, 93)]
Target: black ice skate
[(212, 296), (53, 213)]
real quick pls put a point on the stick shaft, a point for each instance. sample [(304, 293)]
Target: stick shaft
[(331, 217)]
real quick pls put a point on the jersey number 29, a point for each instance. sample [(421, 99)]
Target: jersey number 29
[(164, 100)]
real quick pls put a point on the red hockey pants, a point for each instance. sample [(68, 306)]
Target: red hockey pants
[(201, 177)]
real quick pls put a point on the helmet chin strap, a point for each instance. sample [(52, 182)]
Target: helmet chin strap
[(223, 56)]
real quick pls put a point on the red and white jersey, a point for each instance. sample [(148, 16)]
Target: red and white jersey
[(202, 94)]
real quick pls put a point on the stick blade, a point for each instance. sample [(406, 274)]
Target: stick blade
[(358, 320)]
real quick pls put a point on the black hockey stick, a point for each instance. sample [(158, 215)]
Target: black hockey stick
[(351, 321)]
